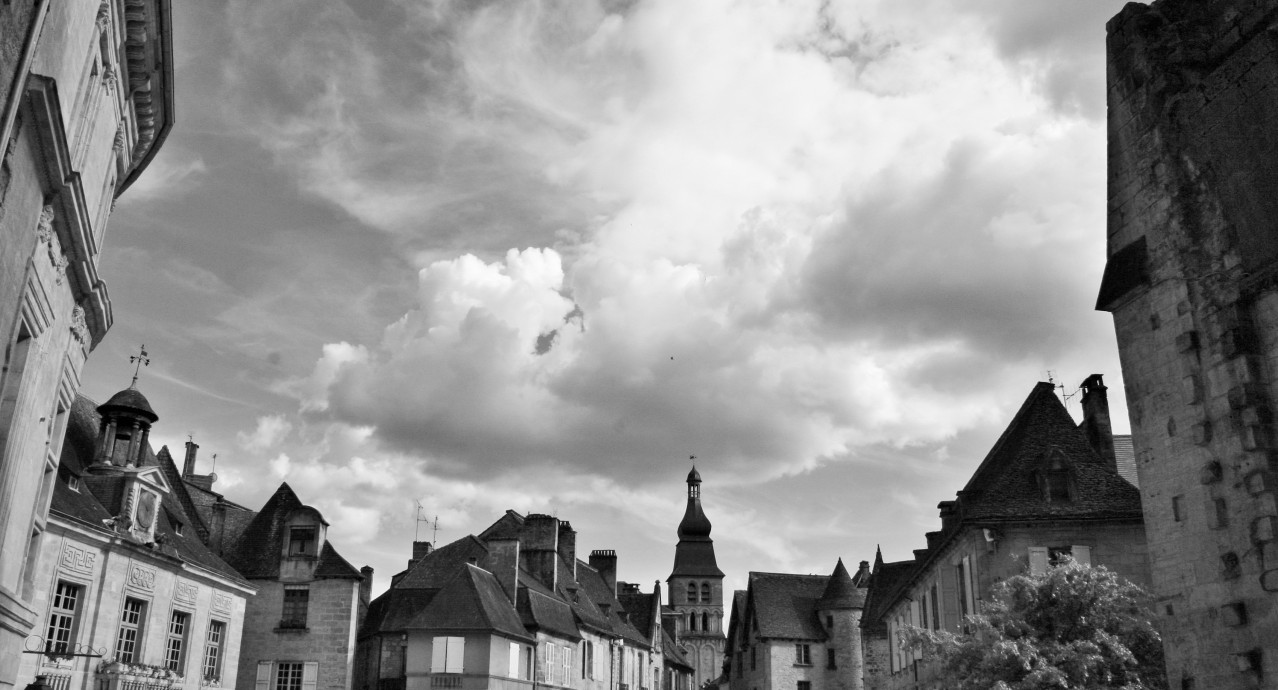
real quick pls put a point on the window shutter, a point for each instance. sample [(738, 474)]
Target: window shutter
[(1082, 554), (456, 655), (512, 661), (541, 663), (567, 664), (310, 672), (438, 652), (263, 675), (970, 582), (1038, 560)]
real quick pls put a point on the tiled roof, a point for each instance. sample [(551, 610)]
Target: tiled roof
[(473, 600), (256, 553), (441, 565), (884, 581), (1125, 457), (395, 609), (784, 606), (546, 613), (694, 557), (1005, 485), (840, 591)]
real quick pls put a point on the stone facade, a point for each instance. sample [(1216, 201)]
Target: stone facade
[(1047, 488), (1190, 281), (85, 102)]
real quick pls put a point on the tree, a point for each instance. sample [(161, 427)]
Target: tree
[(1073, 627)]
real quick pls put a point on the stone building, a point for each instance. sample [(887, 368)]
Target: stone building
[(797, 632), (299, 631), (85, 103), (1046, 489), (512, 607), (696, 589), (659, 624), (126, 592), (1190, 281)]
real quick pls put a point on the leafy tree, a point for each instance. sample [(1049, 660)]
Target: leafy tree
[(1075, 627)]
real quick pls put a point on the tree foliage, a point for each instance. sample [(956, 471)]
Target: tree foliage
[(1075, 627)]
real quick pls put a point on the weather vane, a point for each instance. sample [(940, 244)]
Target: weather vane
[(142, 359)]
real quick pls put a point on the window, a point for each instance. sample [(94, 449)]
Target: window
[(567, 664), (62, 618), (753, 660), (213, 650), (512, 669), (705, 622), (829, 622), (587, 659), (175, 644), (296, 599), (177, 528), (829, 659), (1178, 513), (692, 622), (803, 654), (966, 588), (692, 592), (288, 675), (132, 620), (805, 685), (301, 541), (552, 663), (705, 592), (446, 654), (936, 613)]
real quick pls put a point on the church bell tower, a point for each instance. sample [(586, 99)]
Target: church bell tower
[(696, 589)]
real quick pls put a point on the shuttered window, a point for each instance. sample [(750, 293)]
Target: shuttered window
[(447, 654)]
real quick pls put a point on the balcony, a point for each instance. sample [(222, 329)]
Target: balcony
[(118, 675), (446, 681)]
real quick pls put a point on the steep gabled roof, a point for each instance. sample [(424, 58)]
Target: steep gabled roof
[(1125, 459), (1005, 484), (546, 613), (440, 566), (472, 601), (885, 581), (394, 610), (783, 606), (256, 554)]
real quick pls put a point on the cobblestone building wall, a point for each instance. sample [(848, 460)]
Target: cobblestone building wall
[(1192, 282)]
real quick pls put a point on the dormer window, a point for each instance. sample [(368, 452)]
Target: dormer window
[(177, 528), (301, 541), (1056, 478)]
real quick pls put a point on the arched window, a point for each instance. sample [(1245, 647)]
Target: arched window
[(705, 622), (705, 592), (692, 592), (692, 622)]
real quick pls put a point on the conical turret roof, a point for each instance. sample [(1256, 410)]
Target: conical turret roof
[(841, 592)]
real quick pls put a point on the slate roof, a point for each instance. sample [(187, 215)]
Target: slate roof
[(441, 565), (784, 606), (1125, 458), (256, 552), (546, 613), (473, 600), (840, 591), (885, 580), (1004, 486), (394, 610)]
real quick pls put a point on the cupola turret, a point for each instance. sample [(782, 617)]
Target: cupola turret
[(125, 429)]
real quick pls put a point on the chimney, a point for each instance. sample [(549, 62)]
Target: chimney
[(568, 548), (539, 547), (366, 585), (503, 563), (605, 562), (1096, 424), (421, 549), (949, 514), (188, 465), (934, 539), (862, 577)]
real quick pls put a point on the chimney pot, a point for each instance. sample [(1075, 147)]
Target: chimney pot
[(1096, 423)]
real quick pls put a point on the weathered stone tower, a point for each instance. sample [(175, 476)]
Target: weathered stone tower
[(839, 609), (696, 589), (1192, 282)]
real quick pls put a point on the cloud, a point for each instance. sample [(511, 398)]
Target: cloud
[(173, 172)]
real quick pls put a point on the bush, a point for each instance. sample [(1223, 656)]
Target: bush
[(1073, 627)]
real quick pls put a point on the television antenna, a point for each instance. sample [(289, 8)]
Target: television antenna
[(421, 517)]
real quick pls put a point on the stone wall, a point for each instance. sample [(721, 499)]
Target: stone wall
[(329, 636), (1193, 201)]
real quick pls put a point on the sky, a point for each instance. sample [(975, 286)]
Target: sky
[(534, 255)]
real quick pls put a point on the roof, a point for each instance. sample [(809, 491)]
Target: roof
[(784, 606), (840, 591), (440, 566), (394, 610), (132, 401), (546, 613), (473, 600), (1005, 485), (1125, 458), (885, 579), (256, 553)]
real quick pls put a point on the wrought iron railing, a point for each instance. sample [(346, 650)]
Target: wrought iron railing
[(446, 681)]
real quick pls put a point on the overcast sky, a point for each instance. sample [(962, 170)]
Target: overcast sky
[(534, 255)]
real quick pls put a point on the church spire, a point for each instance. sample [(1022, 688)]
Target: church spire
[(694, 555), (695, 524)]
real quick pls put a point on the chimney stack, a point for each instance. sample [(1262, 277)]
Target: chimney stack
[(188, 465), (949, 514), (539, 547), (568, 548), (421, 549), (366, 585), (1096, 425), (503, 563), (605, 561)]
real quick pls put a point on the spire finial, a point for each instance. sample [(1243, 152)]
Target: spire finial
[(142, 359)]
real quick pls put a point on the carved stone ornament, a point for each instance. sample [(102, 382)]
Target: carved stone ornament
[(221, 602), (44, 227), (118, 146), (185, 592), (142, 578), (104, 16), (44, 230), (76, 559), (110, 78), (79, 329)]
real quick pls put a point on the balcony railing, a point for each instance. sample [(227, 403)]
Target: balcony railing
[(116, 675), (446, 681)]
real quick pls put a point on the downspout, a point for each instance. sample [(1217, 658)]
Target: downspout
[(24, 68)]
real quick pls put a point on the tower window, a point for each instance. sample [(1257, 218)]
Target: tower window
[(705, 622), (692, 592), (705, 592)]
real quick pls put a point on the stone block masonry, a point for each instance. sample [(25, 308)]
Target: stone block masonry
[(1192, 283)]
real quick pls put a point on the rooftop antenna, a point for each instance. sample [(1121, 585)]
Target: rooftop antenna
[(142, 359), (434, 531)]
